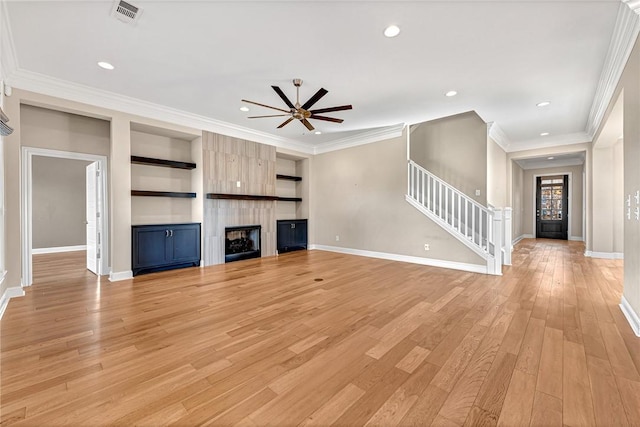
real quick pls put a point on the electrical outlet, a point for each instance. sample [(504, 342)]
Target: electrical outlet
[(477, 192), (426, 247), (337, 238), (238, 184)]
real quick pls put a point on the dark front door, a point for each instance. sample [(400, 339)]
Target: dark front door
[(551, 207)]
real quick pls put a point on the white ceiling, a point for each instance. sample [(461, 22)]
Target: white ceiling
[(203, 57), (557, 160)]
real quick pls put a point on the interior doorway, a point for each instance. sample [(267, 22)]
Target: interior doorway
[(97, 240), (552, 197)]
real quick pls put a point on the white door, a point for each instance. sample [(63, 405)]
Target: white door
[(93, 217)]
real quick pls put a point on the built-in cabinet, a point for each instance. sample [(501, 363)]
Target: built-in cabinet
[(166, 199), (291, 235), (164, 246), (291, 184), (292, 204)]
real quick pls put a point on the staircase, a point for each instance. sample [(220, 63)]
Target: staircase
[(481, 229)]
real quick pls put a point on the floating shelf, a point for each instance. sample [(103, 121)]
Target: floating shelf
[(160, 162), (289, 177), (289, 199), (239, 196), (163, 194), (252, 197)]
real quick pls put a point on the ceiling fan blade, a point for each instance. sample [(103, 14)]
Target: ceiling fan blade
[(331, 109), (273, 115), (307, 124), (327, 119), (283, 96), (315, 98), (266, 106), (286, 122)]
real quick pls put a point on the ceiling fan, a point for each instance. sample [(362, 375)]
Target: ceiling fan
[(301, 112)]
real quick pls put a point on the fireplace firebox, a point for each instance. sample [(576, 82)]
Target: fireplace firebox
[(242, 243)]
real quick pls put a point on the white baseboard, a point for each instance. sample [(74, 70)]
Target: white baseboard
[(120, 275), (473, 268), (9, 293), (631, 315), (576, 238), (604, 255), (58, 249), (517, 239)]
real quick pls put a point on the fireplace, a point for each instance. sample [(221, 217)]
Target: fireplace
[(242, 243)]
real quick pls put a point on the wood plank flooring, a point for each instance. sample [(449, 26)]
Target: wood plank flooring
[(318, 338)]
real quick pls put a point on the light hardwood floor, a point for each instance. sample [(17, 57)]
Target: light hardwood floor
[(318, 338)]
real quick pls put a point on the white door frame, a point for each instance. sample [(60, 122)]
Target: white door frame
[(569, 207), (26, 194)]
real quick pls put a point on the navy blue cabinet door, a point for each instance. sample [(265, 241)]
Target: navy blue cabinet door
[(291, 235), (149, 246), (185, 242), (164, 247)]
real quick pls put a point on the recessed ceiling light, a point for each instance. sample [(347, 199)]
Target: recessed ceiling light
[(544, 134), (245, 109), (105, 65), (543, 104), (451, 93), (550, 158), (318, 132), (391, 31)]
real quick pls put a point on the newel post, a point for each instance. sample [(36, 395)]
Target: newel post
[(506, 245), (496, 240)]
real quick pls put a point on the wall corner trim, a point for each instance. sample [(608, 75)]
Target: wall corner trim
[(13, 292), (497, 134), (631, 315), (472, 268), (117, 276)]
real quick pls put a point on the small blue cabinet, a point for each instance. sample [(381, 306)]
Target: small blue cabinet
[(164, 247), (291, 235)]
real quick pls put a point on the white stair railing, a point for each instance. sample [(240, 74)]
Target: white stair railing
[(478, 227)]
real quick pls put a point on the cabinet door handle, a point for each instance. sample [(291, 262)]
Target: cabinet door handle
[(171, 233), (166, 233), (293, 226)]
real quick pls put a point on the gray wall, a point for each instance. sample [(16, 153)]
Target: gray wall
[(59, 202), (359, 195), (630, 85), (608, 199), (516, 198), (57, 130), (455, 150), (496, 175), (575, 192)]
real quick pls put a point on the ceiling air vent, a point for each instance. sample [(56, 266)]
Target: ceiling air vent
[(126, 12)]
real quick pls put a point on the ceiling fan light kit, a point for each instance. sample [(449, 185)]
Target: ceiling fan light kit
[(301, 112)]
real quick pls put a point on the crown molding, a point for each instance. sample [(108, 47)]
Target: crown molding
[(497, 134), (634, 5), (46, 85), (624, 37), (361, 138), (550, 141)]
